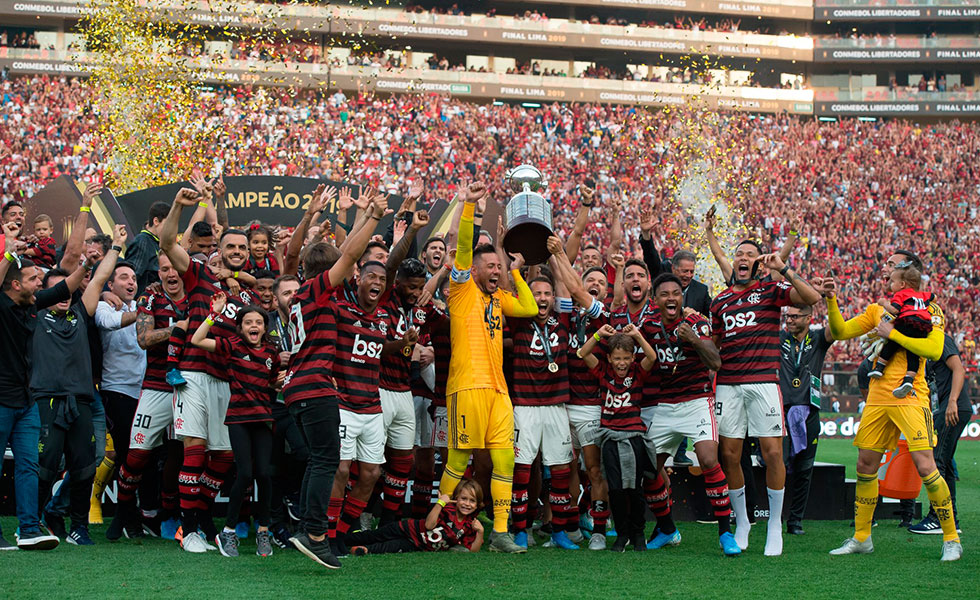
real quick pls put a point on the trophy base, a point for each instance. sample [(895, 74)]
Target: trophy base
[(531, 240)]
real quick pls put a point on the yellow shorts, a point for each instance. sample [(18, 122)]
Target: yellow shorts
[(480, 418), (881, 426)]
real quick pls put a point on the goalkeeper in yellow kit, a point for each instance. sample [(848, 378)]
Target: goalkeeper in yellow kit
[(480, 412), (885, 417)]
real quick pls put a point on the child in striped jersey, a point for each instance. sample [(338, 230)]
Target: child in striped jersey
[(253, 362), (626, 449)]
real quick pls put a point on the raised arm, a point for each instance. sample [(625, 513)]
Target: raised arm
[(168, 232), (709, 232), (618, 261), (76, 241), (147, 336), (585, 353), (290, 262), (523, 305), (220, 195), (650, 254), (574, 243), (358, 240), (845, 330), (200, 337), (90, 298), (566, 273), (464, 241), (649, 354), (802, 292), (419, 220)]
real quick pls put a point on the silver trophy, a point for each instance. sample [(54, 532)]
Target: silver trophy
[(528, 216)]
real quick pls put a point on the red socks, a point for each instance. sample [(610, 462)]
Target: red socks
[(716, 488), (519, 498)]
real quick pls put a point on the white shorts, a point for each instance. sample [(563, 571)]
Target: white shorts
[(154, 418), (755, 409), (362, 437), (440, 428), (646, 415), (694, 419), (398, 409), (584, 422), (544, 429), (199, 409)]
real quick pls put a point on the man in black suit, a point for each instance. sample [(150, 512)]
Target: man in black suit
[(696, 294)]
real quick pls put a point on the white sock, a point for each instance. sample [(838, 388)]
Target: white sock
[(229, 529), (742, 525), (774, 533)]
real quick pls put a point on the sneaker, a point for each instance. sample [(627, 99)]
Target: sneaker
[(903, 522), (560, 540), (79, 537), (168, 529), (928, 525), (952, 550), (292, 509), (875, 373), (175, 378), (620, 544), (728, 544), (852, 546), (241, 530), (597, 542), (611, 532), (280, 537), (639, 544), (358, 550), (207, 545), (318, 552), (263, 543), (585, 523), (365, 521), (55, 524), (179, 534), (152, 526), (502, 541), (531, 542), (115, 529), (35, 540), (576, 536), (902, 390), (95, 511), (681, 460), (133, 530), (5, 545), (794, 529), (659, 540), (194, 542), (227, 542), (520, 538)]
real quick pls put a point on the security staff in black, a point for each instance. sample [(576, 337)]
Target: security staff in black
[(61, 385), (802, 352), (951, 412)]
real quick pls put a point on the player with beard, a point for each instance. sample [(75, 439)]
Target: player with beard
[(201, 403), (686, 356), (885, 417), (432, 256), (585, 404), (158, 315), (481, 414), (745, 322), (408, 320), (310, 388)]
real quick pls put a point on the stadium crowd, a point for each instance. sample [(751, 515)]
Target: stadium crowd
[(840, 182), (311, 374)]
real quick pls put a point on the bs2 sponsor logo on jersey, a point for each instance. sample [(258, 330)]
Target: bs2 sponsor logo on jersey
[(365, 348), (746, 319), (617, 400)]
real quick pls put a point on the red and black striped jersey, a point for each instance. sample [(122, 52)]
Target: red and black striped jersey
[(269, 263), (357, 355), (583, 385), (747, 323), (312, 338), (201, 286), (396, 369), (442, 348), (683, 376), (532, 383), (165, 312), (45, 250), (620, 410), (253, 378), (451, 530), (643, 319)]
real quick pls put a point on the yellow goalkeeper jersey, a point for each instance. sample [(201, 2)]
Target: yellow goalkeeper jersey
[(931, 348), (475, 319)]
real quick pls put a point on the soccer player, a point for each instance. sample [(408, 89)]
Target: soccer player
[(481, 414), (201, 403), (685, 409), (802, 351), (585, 404), (886, 416), (745, 325), (158, 315), (310, 391), (407, 321)]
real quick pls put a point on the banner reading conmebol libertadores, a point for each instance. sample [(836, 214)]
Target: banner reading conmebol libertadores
[(872, 10)]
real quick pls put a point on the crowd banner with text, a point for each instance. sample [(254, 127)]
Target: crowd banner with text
[(847, 427)]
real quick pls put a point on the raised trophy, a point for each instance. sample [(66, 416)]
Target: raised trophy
[(528, 216)]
